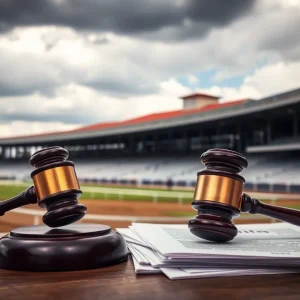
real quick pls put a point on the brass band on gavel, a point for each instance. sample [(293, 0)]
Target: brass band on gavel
[(219, 189), (55, 180)]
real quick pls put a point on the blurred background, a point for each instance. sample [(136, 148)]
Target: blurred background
[(137, 90)]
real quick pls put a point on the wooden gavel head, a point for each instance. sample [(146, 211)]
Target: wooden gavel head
[(218, 195), (56, 186)]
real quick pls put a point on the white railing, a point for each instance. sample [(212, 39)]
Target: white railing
[(179, 195), (154, 194)]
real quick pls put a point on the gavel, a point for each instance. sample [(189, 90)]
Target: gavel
[(219, 198), (55, 188)]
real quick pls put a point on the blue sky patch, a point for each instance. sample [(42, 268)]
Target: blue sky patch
[(207, 79)]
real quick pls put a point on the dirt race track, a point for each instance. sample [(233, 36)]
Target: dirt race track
[(120, 208)]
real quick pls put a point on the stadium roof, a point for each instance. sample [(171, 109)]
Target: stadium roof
[(162, 115), (164, 120), (147, 118)]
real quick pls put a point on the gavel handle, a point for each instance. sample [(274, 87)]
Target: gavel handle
[(26, 197), (253, 206)]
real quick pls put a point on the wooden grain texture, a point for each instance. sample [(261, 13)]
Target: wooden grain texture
[(120, 282)]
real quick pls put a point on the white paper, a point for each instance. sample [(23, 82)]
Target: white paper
[(140, 258), (278, 240), (188, 273), (142, 269), (131, 237), (173, 250), (174, 273), (149, 254), (192, 270)]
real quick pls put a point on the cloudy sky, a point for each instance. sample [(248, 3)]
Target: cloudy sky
[(65, 63)]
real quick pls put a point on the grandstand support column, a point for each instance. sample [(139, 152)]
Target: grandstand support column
[(170, 146), (143, 144), (17, 152), (2, 152), (186, 142), (119, 142), (8, 151), (295, 125), (27, 151), (155, 143), (269, 131), (241, 137), (131, 145), (189, 144)]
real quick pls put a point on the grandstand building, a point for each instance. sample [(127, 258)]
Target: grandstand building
[(162, 146)]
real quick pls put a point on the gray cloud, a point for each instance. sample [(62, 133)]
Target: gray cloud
[(282, 36), (24, 74), (123, 17), (52, 109), (168, 39), (164, 20), (72, 116), (124, 88)]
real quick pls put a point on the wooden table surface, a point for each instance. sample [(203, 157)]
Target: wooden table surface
[(120, 282)]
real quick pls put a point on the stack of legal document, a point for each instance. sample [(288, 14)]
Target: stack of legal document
[(175, 252)]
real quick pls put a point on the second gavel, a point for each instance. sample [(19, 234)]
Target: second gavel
[(219, 198)]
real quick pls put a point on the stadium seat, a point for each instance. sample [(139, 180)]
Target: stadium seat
[(276, 172)]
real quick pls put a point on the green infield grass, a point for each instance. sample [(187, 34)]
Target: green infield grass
[(115, 193), (8, 191)]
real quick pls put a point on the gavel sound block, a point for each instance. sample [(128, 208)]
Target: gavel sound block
[(52, 247), (219, 197)]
